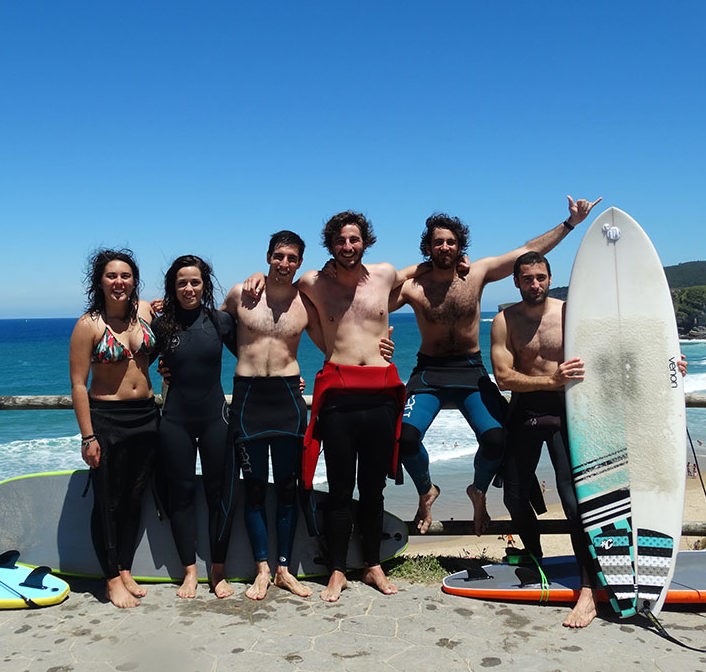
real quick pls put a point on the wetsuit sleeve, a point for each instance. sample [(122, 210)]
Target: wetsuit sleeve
[(228, 331)]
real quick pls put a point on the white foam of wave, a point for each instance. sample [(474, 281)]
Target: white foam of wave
[(38, 455), (695, 382)]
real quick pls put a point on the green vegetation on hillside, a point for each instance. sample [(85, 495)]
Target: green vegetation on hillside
[(690, 308), (688, 274)]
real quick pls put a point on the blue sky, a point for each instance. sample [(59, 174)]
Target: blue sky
[(202, 127)]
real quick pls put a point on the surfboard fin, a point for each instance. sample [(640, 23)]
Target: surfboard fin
[(477, 574), (35, 579), (9, 559)]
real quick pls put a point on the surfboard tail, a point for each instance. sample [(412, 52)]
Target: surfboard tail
[(655, 556), (612, 549)]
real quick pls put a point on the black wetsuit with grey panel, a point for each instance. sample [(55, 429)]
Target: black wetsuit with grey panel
[(195, 417)]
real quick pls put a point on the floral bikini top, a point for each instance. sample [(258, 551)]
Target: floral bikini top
[(110, 350)]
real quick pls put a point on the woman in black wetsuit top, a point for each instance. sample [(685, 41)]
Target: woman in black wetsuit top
[(190, 335)]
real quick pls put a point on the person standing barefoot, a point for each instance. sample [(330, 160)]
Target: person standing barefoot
[(117, 416)]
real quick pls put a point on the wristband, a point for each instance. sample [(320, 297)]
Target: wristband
[(567, 225)]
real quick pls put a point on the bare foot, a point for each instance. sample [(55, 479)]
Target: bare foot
[(423, 516), (190, 582), (374, 576), (219, 584), (584, 610), (119, 595), (336, 585), (481, 519), (259, 587), (283, 579), (131, 585)]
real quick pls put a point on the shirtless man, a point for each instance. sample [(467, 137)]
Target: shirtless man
[(271, 315), (449, 365), (527, 352), (267, 376), (358, 396)]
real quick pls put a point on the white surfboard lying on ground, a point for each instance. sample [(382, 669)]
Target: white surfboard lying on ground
[(47, 516), (626, 419)]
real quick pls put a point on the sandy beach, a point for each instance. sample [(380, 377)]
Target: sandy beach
[(419, 628)]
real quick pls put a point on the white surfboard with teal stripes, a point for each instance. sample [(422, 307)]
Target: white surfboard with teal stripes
[(626, 419)]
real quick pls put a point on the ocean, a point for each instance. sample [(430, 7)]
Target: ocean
[(34, 361)]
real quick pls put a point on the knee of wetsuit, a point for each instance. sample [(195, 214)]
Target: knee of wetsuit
[(287, 490), (410, 438), (255, 491), (492, 443)]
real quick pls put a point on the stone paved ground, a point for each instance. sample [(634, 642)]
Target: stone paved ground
[(421, 628)]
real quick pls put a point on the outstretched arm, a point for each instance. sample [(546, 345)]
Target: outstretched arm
[(497, 268)]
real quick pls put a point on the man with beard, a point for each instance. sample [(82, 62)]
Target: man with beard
[(358, 396), (527, 352), (449, 364)]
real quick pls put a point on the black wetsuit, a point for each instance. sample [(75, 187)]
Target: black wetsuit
[(195, 416), (536, 418), (268, 417), (358, 433), (127, 433)]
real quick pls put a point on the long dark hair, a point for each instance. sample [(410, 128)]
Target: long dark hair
[(169, 324), (95, 298)]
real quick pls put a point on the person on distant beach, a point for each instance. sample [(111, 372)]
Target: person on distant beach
[(268, 413), (190, 335), (449, 367), (527, 353), (358, 396), (117, 416)]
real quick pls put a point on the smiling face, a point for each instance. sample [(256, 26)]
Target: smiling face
[(443, 248), (348, 246), (117, 281), (189, 287), (533, 281), (284, 263)]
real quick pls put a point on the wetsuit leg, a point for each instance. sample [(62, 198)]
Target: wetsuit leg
[(374, 455), (212, 445), (254, 462), (419, 412), (286, 465), (120, 480), (337, 428), (558, 446), (521, 459), (177, 456), (484, 415)]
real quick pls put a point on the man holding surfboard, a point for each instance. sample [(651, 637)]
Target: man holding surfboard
[(449, 368), (527, 353)]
